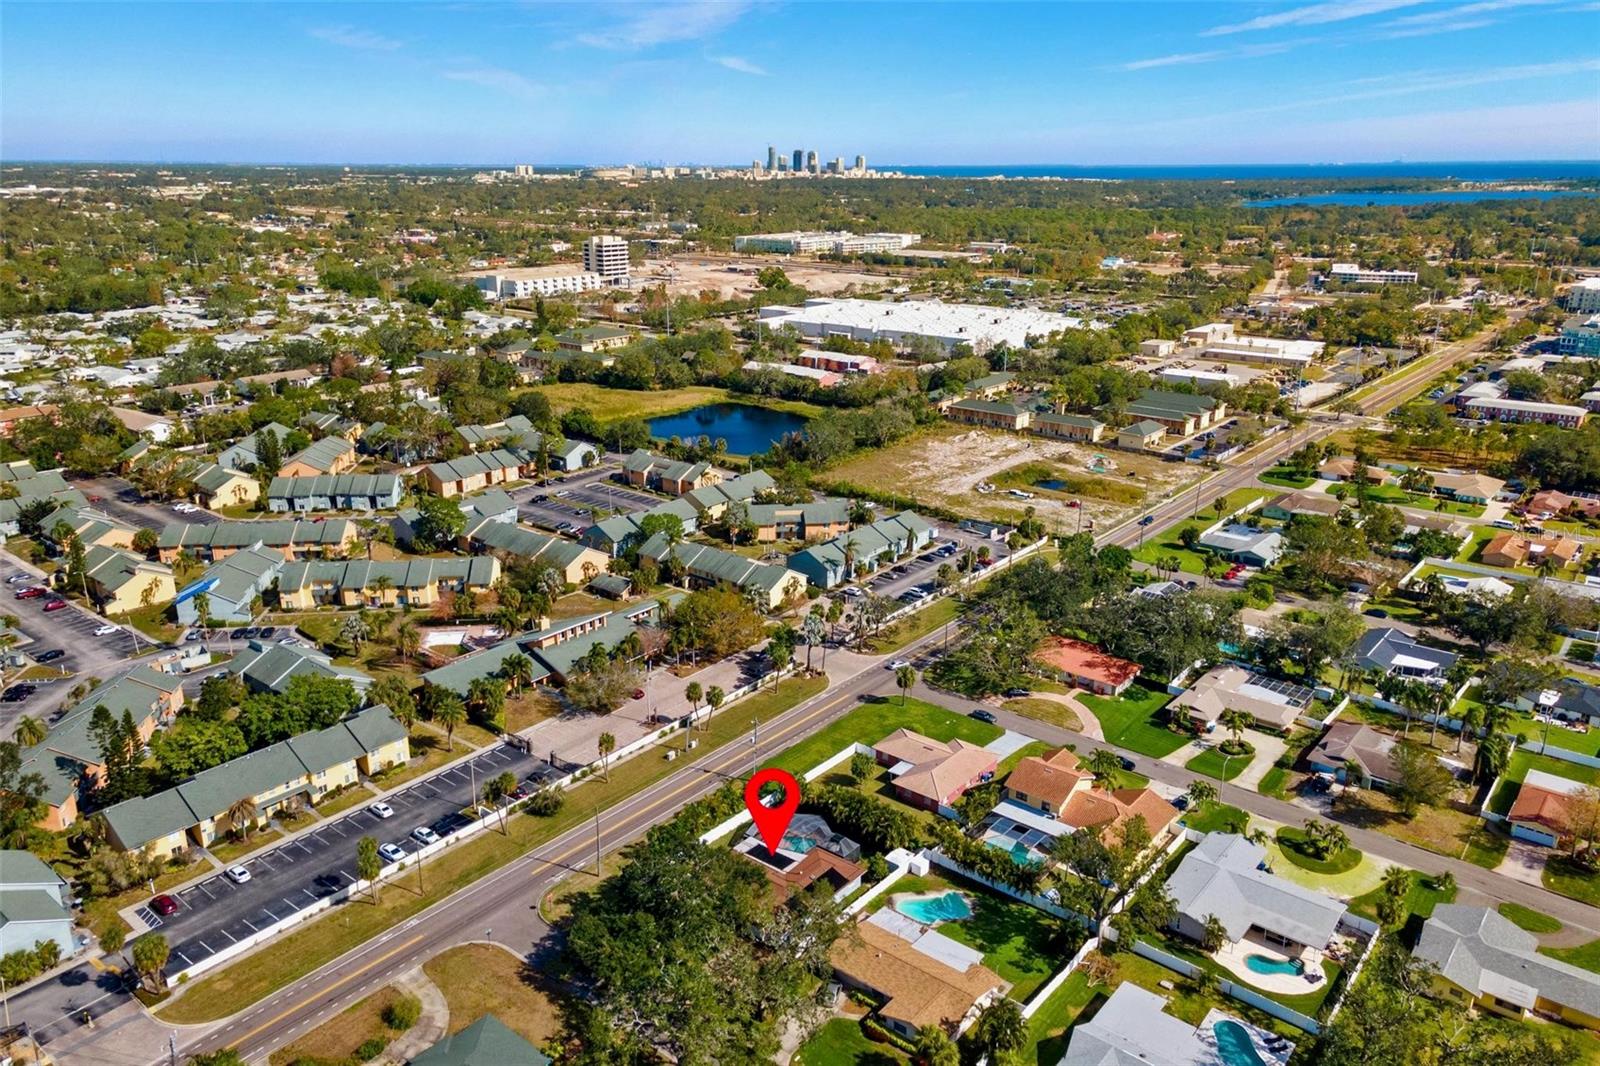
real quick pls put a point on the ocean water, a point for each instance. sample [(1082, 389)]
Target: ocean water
[(1535, 170), (1403, 199)]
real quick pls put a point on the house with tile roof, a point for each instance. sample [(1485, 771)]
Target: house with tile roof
[(1343, 468), (1468, 488), (1542, 813), (931, 774), (1275, 705), (1223, 878), (1516, 549), (1083, 664), (914, 988), (301, 769), (1056, 784), (766, 585), (304, 586), (1483, 960), (330, 455), (830, 564), (1294, 504)]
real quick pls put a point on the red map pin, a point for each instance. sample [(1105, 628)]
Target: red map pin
[(772, 821)]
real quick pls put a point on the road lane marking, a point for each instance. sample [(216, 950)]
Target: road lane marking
[(346, 979)]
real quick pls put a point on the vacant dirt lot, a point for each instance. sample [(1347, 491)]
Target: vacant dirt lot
[(944, 466), (690, 275)]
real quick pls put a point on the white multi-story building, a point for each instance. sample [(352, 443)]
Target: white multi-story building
[(607, 256), (812, 242), (558, 279), (899, 323), (1506, 410), (1354, 274), (1584, 297), (1218, 340)]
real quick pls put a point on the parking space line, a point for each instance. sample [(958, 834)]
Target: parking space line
[(269, 914), (251, 924), (185, 958), (291, 906), (310, 893), (231, 938)]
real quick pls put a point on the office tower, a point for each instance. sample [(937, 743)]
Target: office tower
[(799, 163), (811, 161), (772, 157), (837, 166), (861, 163), (608, 257)]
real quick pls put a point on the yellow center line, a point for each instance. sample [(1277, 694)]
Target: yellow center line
[(346, 979)]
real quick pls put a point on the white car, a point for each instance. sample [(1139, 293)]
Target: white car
[(106, 631), (237, 874), (185, 508), (392, 852), (423, 835), (897, 664), (382, 810)]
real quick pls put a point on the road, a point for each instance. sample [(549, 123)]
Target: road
[(1414, 378)]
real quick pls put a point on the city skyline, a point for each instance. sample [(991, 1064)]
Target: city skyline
[(699, 82)]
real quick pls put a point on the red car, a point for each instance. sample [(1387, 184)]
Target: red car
[(30, 593), (638, 693), (164, 906), (55, 605)]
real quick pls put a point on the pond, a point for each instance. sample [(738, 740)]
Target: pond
[(747, 429), (1408, 199)]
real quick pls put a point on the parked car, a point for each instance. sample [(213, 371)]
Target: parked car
[(49, 656), (17, 693), (106, 631), (17, 579), (1017, 693), (1127, 763), (164, 905), (981, 715), (897, 664), (423, 835), (1181, 802), (1375, 612), (382, 810), (237, 634), (31, 592), (392, 852), (237, 874), (55, 605), (267, 631)]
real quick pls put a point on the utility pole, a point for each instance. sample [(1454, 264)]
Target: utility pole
[(597, 870), (755, 742)]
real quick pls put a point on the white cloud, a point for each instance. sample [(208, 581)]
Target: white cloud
[(743, 66), (498, 78), (350, 37), (1215, 56), (647, 25), (1445, 15), (1312, 15)]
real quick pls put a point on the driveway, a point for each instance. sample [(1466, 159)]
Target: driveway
[(1268, 750), (1524, 862)]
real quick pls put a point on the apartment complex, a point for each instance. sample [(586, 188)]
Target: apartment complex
[(292, 537), (407, 583), (1355, 274), (556, 279), (607, 257)]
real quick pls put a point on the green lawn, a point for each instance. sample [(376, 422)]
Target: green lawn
[(1009, 763), (1212, 763), (1166, 542), (1394, 495), (1273, 782), (1048, 1029), (1420, 900), (1563, 875), (1132, 720), (917, 625), (1521, 762), (1528, 918), (1185, 1003), (1587, 743), (1584, 955), (1308, 1003), (1285, 476), (841, 1043), (1216, 817), (876, 719), (1293, 842)]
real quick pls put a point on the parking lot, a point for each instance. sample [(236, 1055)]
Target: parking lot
[(120, 499), (897, 582), (70, 629), (578, 500), (216, 913)]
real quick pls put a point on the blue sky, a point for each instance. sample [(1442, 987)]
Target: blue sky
[(913, 83)]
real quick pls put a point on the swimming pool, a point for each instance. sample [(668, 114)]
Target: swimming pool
[(1235, 1046), (1268, 964), (946, 907)]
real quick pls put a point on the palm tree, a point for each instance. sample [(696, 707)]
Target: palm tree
[(849, 548), (905, 677), (449, 712), (242, 816), (517, 669), (407, 640), (1001, 1029), (1213, 934), (1202, 792), (607, 744), (1104, 764), (1494, 754), (382, 584), (693, 693), (714, 698), (355, 631), (1236, 722), (30, 731), (1396, 882), (1213, 568)]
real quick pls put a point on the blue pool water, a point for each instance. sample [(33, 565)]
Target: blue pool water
[(950, 907), (1234, 1044), (797, 844), (748, 429), (1263, 964)]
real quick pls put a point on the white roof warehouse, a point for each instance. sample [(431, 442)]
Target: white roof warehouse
[(946, 324)]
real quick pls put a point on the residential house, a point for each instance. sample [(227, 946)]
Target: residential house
[(1067, 427), (1086, 666), (931, 774), (1542, 811), (862, 549), (305, 769), (328, 424), (1481, 959), (11, 417), (304, 586), (1222, 878), (232, 586), (89, 526), (645, 470), (1394, 651), (1468, 488), (120, 581), (1551, 503), (219, 486), (1057, 785), (1343, 468), (1310, 504), (1516, 549), (1275, 705), (1355, 754), (555, 651), (290, 537), (49, 485), (995, 414), (330, 455), (1570, 700), (479, 470), (342, 492), (820, 519), (268, 667), (768, 586), (811, 851), (157, 427), (1133, 1028), (1143, 435), (1182, 414), (914, 988), (1239, 543), (35, 904), (599, 338), (486, 1042)]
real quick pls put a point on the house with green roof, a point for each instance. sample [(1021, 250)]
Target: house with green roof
[(266, 667), (477, 470), (616, 536), (341, 492), (597, 338), (49, 485), (554, 650), (231, 585), (120, 581), (360, 583), (89, 525), (244, 453), (646, 470), (35, 905), (996, 414), (575, 562), (330, 455), (836, 561), (292, 538), (303, 769), (221, 486), (1182, 414), (768, 587), (486, 1042), (1067, 427)]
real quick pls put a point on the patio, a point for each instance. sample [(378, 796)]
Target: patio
[(1285, 981), (1270, 1048)]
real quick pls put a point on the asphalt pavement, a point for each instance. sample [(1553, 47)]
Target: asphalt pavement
[(120, 498)]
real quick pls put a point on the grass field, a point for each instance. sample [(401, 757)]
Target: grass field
[(1571, 878), (479, 978), (840, 1042), (919, 624), (1212, 763), (1523, 761), (337, 1039), (1420, 900), (1286, 477), (1294, 845), (293, 955), (609, 405), (1216, 817), (876, 719), (1050, 711), (1132, 720), (1584, 955), (1166, 542), (1586, 743), (1048, 1028), (1066, 483)]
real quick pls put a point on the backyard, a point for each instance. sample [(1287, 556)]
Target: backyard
[(1505, 794), (1133, 720), (876, 719)]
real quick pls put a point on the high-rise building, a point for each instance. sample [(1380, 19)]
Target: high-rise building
[(861, 163), (607, 256), (837, 166), (811, 161), (799, 163), (772, 157), (524, 170)]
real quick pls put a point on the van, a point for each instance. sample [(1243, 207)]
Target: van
[(1503, 523)]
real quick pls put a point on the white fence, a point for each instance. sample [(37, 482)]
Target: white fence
[(940, 859), (901, 862), (1239, 992), (1048, 989)]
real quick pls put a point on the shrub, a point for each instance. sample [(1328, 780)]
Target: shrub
[(546, 802), (371, 1049), (403, 1013)]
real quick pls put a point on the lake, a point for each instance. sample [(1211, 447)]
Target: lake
[(1409, 199), (747, 429)]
